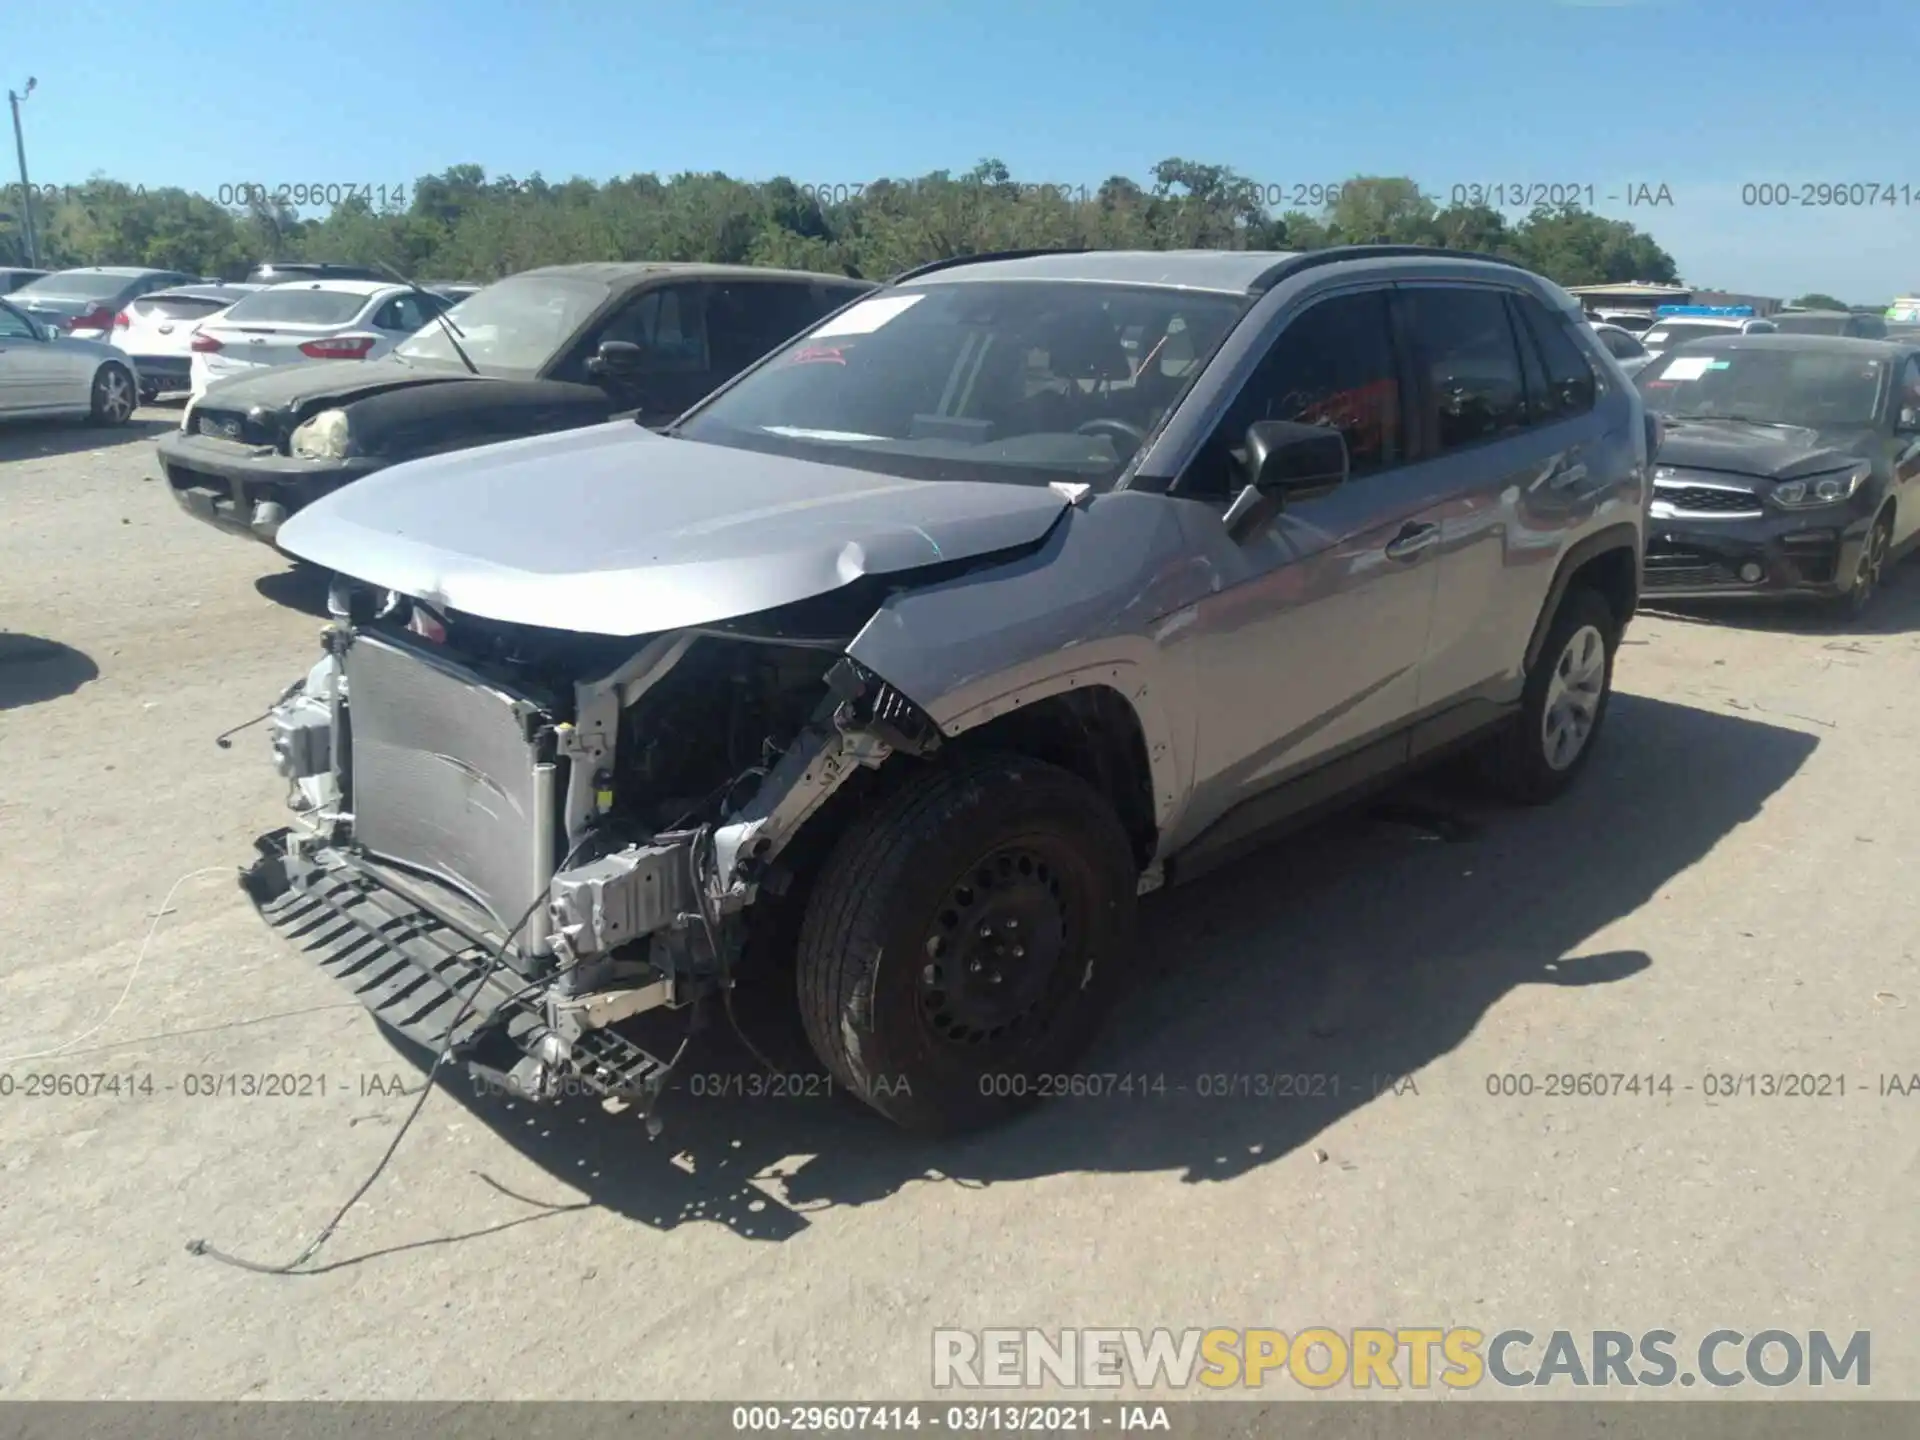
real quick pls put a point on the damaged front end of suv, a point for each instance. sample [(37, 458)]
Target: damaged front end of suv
[(522, 813), (509, 840)]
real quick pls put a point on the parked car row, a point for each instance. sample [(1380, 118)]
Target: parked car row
[(160, 331)]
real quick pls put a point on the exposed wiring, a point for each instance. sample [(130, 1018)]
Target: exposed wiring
[(225, 738), (493, 968), (699, 876), (132, 974)]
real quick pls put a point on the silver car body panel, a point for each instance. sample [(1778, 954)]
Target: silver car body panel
[(613, 530), (52, 373), (1238, 658)]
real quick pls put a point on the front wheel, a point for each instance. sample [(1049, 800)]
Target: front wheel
[(1869, 570), (1544, 747), (113, 395), (963, 942)]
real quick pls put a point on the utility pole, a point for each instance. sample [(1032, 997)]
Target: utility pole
[(26, 187)]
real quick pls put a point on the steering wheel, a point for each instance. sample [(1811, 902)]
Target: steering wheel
[(1111, 428)]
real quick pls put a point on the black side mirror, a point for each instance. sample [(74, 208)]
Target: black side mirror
[(1285, 462), (619, 358)]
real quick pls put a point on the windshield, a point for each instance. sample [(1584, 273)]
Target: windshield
[(1023, 381), (1775, 387), (518, 324), (75, 285), (298, 305)]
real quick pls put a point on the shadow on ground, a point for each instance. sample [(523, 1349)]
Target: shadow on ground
[(41, 439), (1363, 949), (1895, 611), (302, 588), (33, 670)]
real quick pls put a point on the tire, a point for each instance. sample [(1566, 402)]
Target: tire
[(1532, 761), (915, 988), (1868, 571), (149, 392), (114, 397)]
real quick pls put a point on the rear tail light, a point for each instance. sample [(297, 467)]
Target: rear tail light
[(99, 318), (339, 347), (122, 320), (206, 345)]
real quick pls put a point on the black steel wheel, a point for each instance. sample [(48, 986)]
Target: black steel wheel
[(965, 940)]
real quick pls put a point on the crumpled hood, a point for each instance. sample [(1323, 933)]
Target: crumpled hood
[(336, 382), (613, 530), (1771, 452)]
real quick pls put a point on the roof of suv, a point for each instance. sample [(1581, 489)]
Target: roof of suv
[(1227, 272)]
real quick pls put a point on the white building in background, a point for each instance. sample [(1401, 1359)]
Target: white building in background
[(1649, 296)]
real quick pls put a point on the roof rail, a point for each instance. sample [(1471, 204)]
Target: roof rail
[(952, 260), (1308, 259)]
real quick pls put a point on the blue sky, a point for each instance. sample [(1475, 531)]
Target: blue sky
[(1786, 92)]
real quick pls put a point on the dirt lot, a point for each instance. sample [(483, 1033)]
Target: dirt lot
[(1730, 891)]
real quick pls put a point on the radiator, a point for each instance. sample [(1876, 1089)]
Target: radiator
[(444, 774)]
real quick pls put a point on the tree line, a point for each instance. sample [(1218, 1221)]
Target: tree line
[(462, 224)]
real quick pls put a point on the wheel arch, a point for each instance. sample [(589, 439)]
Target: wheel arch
[(1607, 561)]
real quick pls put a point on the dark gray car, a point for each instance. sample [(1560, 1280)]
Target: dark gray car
[(1790, 467), (83, 302), (894, 671)]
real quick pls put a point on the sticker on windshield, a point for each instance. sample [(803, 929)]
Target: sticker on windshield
[(1687, 367), (867, 317)]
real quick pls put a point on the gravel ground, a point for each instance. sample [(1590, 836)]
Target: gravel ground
[(1728, 891)]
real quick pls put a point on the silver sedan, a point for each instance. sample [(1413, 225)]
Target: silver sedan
[(43, 372)]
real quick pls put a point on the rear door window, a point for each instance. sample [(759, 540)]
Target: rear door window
[(1571, 384), (1470, 362)]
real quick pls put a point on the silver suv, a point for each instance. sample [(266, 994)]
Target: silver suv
[(898, 667)]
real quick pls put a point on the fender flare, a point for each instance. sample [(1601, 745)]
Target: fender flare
[(1623, 536)]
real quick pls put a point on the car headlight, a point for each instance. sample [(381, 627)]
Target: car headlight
[(1828, 489), (324, 437)]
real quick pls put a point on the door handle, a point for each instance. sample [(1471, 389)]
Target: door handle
[(1412, 540)]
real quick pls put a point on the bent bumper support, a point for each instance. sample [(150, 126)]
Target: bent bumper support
[(441, 985)]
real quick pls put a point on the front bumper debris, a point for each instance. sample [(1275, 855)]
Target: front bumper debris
[(417, 969)]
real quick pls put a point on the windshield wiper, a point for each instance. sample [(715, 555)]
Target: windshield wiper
[(436, 311)]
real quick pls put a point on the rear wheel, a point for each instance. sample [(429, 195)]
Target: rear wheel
[(149, 391), (963, 942), (113, 395), (1544, 747)]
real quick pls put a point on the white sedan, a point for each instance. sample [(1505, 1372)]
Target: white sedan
[(157, 330), (308, 320)]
